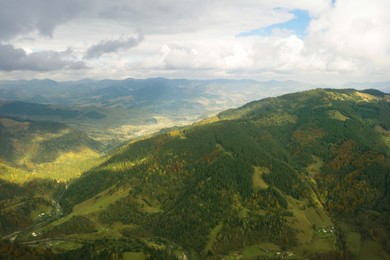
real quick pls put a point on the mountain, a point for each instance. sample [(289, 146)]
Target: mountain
[(303, 175), (174, 96), (105, 92)]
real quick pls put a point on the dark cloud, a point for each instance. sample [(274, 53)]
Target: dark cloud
[(161, 16), (97, 50), (18, 17), (12, 59)]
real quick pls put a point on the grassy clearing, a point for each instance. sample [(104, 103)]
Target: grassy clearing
[(94, 205), (91, 209), (304, 218), (257, 177), (254, 251), (58, 246), (148, 206), (300, 222), (101, 201), (133, 256), (212, 236), (314, 169), (318, 245), (318, 217), (264, 250), (335, 114), (366, 96), (312, 240)]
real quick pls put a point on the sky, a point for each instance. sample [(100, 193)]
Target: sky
[(313, 41)]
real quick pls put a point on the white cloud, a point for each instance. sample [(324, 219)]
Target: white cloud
[(13, 59), (346, 41)]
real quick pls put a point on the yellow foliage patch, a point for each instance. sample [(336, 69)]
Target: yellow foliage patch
[(9, 123), (344, 155), (307, 137), (366, 97), (175, 133)]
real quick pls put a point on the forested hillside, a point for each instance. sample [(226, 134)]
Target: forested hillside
[(301, 175), (43, 149)]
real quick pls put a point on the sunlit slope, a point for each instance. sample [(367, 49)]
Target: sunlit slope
[(277, 176), (42, 149), (36, 158)]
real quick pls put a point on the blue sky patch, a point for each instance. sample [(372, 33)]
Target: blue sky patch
[(298, 25)]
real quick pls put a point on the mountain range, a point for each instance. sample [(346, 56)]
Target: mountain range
[(114, 111), (303, 175)]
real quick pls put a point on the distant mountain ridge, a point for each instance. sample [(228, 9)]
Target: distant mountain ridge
[(124, 105), (76, 92), (113, 111)]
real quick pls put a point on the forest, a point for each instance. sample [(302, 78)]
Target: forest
[(247, 180)]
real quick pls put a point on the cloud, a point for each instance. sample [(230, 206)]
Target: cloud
[(354, 29), (177, 16), (343, 39), (18, 17), (346, 41), (13, 59), (97, 50)]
